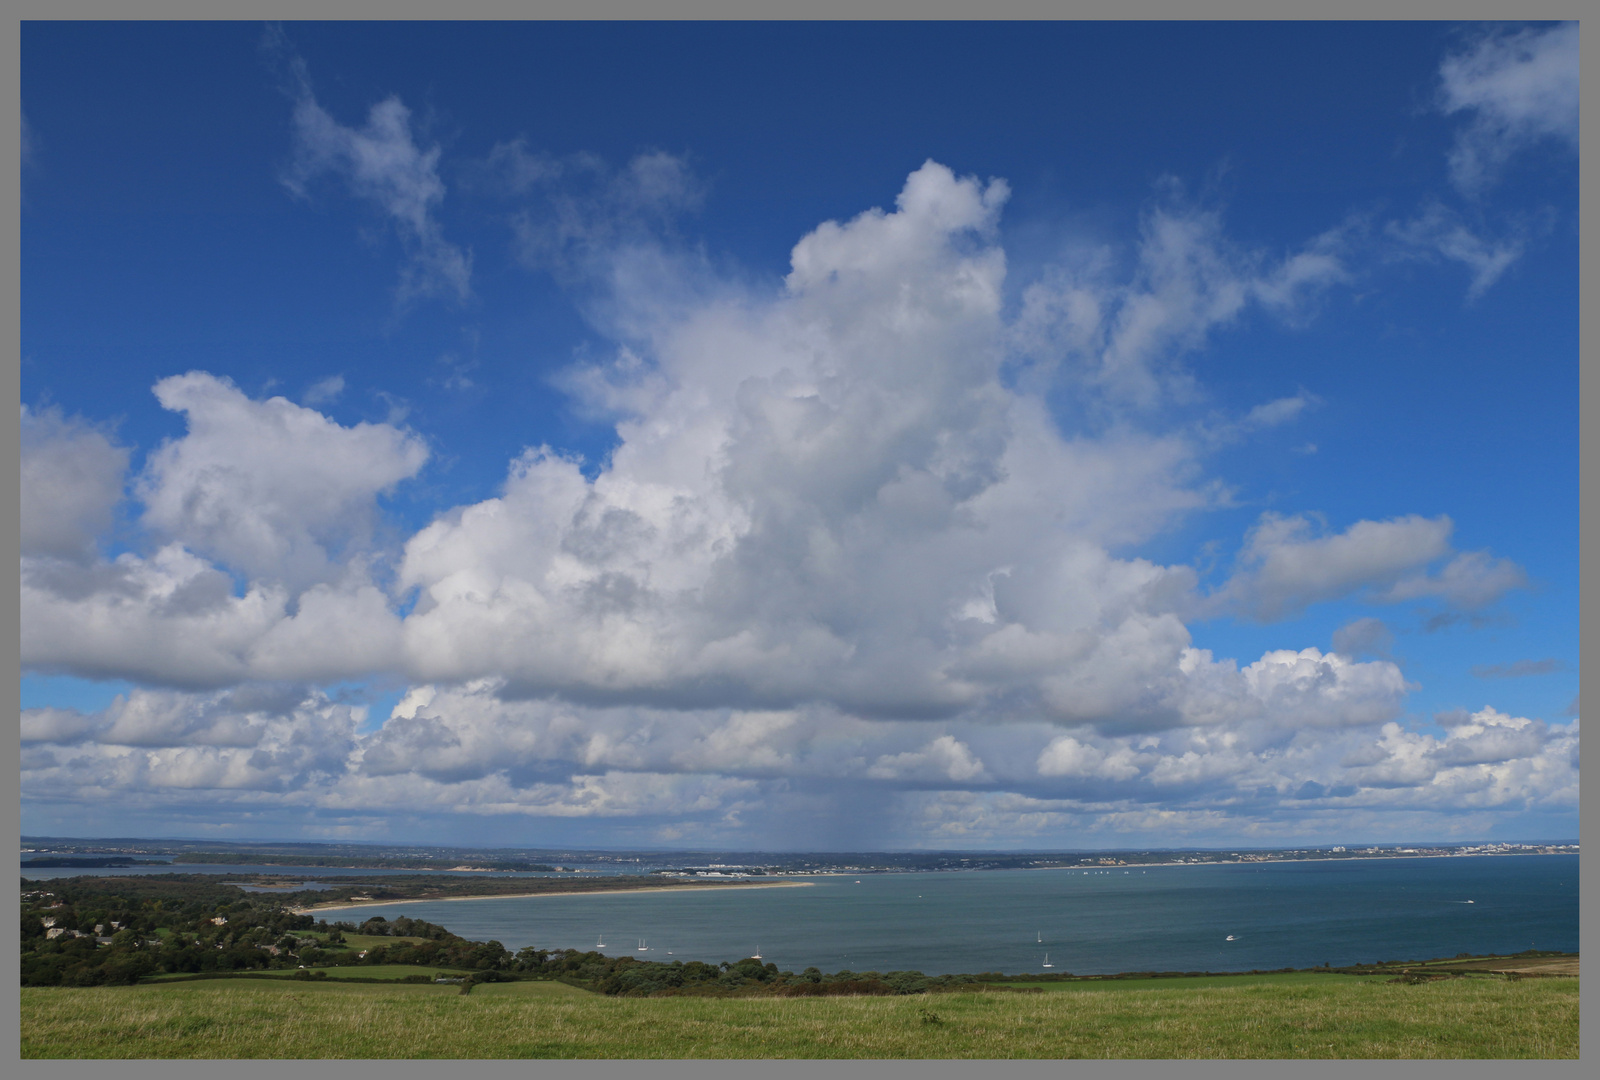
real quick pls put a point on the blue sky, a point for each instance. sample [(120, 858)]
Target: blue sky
[(1059, 435)]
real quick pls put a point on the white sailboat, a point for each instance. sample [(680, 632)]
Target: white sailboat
[(642, 947), (1047, 962), (600, 942), (1040, 934), (757, 954)]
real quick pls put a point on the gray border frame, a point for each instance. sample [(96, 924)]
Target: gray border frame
[(10, 675)]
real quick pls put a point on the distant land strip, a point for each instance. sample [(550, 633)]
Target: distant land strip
[(724, 864), (360, 862), (522, 888), (106, 863)]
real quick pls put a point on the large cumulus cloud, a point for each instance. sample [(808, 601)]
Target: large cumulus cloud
[(831, 494), (264, 516), (842, 540)]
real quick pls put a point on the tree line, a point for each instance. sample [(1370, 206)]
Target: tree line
[(88, 931)]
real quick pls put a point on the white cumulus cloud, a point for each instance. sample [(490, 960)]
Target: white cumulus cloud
[(270, 488), (838, 564), (1286, 565), (72, 477), (944, 759), (1517, 89)]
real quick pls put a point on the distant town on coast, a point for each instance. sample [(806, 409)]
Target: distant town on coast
[(44, 851)]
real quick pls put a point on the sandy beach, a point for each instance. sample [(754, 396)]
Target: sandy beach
[(349, 906)]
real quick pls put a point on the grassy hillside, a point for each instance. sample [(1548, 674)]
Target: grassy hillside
[(362, 973), (1295, 1016)]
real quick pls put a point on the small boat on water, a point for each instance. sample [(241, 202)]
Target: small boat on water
[(1230, 937), (1040, 933), (757, 954), (1047, 962), (642, 947), (600, 942)]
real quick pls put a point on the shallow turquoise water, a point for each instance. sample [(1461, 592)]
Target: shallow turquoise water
[(1175, 918)]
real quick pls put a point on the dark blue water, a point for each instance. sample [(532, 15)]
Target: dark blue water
[(1173, 918)]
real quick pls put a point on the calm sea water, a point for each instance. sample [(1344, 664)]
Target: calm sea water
[(1175, 918)]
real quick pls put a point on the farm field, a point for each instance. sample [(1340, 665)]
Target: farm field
[(1296, 1015)]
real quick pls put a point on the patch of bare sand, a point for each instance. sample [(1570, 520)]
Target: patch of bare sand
[(340, 905)]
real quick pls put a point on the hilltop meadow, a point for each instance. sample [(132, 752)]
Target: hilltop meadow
[(1269, 1016), (176, 966)]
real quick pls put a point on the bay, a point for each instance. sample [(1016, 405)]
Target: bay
[(1159, 918)]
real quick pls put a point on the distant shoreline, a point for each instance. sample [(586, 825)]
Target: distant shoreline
[(1125, 868), (346, 906), (1089, 867), (1344, 859)]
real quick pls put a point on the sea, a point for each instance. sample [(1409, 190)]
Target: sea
[(1210, 917)]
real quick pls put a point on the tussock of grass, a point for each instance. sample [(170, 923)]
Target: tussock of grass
[(1458, 1018)]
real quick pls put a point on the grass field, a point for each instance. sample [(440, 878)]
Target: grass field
[(1288, 1016), (354, 971), (1191, 982), (365, 941)]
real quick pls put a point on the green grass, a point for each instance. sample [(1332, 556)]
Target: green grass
[(372, 941), (1330, 1017), (1276, 978), (356, 941), (353, 971)]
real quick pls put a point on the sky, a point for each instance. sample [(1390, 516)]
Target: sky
[(815, 436)]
